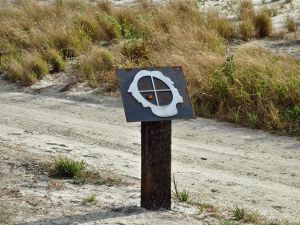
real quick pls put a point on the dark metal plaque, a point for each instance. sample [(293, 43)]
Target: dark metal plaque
[(154, 94)]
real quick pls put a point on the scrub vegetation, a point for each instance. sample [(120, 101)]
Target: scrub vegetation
[(250, 87)]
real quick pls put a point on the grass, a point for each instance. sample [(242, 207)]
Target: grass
[(180, 195), (263, 24), (260, 91), (66, 168), (240, 214), (291, 24)]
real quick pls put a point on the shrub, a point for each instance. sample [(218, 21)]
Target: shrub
[(66, 168), (263, 24), (247, 30), (291, 24)]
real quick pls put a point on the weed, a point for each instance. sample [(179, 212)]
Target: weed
[(66, 168), (180, 195), (239, 213)]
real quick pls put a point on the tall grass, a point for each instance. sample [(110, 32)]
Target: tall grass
[(253, 87)]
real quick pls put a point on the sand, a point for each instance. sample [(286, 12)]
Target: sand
[(219, 163)]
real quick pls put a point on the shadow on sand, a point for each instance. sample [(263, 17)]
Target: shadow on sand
[(90, 217)]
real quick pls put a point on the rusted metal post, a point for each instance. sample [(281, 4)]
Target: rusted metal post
[(156, 165)]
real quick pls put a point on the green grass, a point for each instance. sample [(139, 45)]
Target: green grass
[(181, 195), (66, 168), (239, 213)]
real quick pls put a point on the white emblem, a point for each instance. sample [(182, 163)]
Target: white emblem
[(161, 111)]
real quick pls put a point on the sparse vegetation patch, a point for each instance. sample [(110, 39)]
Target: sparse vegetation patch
[(181, 195), (64, 167)]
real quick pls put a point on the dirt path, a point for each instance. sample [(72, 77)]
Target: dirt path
[(220, 164)]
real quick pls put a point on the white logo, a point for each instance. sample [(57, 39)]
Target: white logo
[(158, 110)]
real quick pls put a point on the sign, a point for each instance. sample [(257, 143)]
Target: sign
[(154, 94)]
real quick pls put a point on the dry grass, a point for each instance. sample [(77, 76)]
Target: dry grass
[(254, 88), (291, 24), (260, 20), (263, 24)]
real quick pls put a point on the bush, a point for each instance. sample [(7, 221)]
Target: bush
[(66, 168), (263, 24)]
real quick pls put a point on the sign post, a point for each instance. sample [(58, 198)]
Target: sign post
[(155, 96), (156, 165)]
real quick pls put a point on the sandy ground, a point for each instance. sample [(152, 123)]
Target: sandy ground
[(218, 163)]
